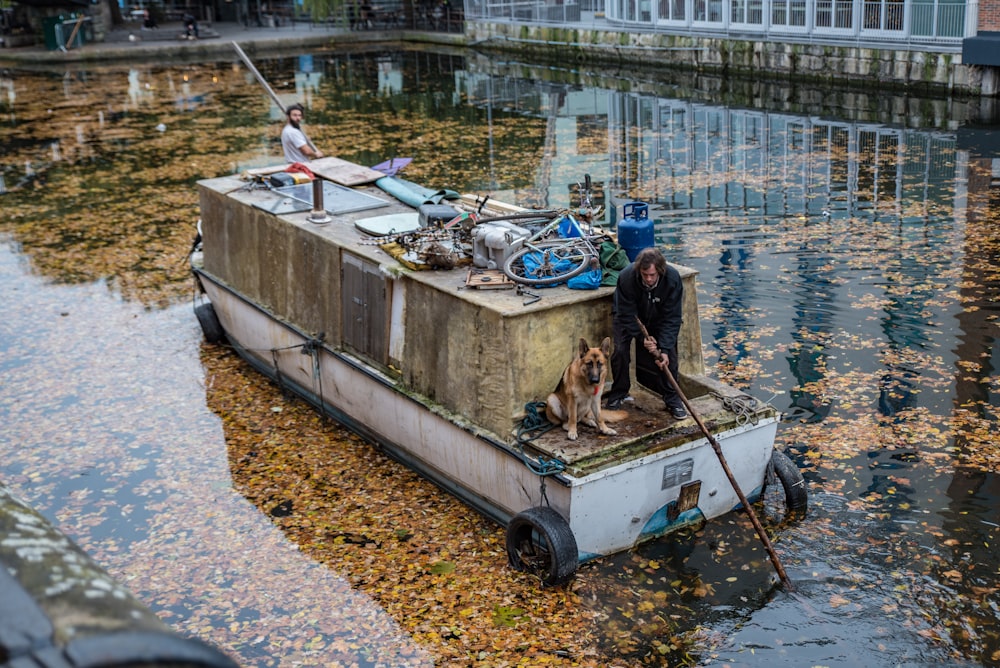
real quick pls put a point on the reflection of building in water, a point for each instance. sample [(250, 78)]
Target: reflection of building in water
[(852, 209), (687, 155), (576, 141), (979, 344), (390, 76), (754, 171), (307, 83)]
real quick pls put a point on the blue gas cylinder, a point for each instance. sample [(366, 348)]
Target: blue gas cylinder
[(635, 231)]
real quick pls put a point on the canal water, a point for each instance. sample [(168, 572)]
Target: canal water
[(846, 244)]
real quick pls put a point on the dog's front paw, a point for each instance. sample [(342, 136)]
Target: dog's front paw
[(571, 434), (608, 431)]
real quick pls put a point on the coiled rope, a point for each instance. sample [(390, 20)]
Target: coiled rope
[(742, 405), (533, 425)]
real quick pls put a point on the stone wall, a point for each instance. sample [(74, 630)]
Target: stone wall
[(807, 62)]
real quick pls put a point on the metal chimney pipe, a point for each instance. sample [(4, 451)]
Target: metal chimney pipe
[(318, 214)]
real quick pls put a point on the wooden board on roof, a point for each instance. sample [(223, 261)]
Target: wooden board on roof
[(332, 169), (343, 172)]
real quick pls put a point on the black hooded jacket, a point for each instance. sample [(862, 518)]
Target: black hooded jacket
[(660, 308)]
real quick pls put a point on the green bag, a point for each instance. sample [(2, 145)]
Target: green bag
[(613, 260)]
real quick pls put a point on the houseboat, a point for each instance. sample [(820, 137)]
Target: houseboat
[(363, 294)]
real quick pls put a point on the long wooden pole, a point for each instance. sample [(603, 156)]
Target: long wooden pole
[(725, 467), (263, 82), (76, 28)]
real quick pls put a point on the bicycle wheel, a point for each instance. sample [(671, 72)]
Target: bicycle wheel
[(547, 262)]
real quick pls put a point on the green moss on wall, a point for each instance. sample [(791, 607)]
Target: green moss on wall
[(874, 62), (930, 67)]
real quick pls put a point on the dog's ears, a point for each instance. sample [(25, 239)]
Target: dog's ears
[(584, 347), (606, 346)]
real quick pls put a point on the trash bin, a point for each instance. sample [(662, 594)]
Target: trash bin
[(52, 31)]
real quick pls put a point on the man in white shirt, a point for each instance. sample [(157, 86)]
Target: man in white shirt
[(296, 145)]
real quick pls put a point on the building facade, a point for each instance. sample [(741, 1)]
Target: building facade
[(947, 44)]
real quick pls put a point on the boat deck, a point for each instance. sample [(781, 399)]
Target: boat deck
[(646, 429)]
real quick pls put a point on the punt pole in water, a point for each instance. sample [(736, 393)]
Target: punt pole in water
[(263, 82), (725, 467)]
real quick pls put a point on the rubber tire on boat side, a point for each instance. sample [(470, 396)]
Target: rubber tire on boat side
[(796, 496), (210, 325), (540, 541)]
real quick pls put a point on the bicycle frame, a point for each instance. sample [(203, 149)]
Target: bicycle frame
[(543, 260)]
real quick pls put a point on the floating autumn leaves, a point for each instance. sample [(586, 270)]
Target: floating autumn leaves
[(438, 569)]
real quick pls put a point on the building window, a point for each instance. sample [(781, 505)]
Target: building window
[(708, 11), (838, 14), (671, 10), (788, 13), (938, 18), (748, 12)]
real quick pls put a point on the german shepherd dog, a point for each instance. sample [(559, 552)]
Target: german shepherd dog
[(578, 396)]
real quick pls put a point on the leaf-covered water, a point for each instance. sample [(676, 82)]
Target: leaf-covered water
[(847, 271)]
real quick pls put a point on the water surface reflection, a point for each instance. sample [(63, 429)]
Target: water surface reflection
[(846, 253)]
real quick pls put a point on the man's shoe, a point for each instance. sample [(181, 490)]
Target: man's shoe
[(615, 404), (677, 412)]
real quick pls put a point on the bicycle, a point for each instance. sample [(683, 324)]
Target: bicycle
[(543, 261)]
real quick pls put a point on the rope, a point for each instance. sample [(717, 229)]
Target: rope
[(744, 406), (311, 348), (532, 426)]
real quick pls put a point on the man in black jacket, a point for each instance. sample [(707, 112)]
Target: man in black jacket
[(650, 291)]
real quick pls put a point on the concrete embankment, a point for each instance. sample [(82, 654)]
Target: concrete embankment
[(595, 43), (887, 67)]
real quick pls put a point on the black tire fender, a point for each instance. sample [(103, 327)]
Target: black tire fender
[(209, 321), (540, 541), (796, 495)]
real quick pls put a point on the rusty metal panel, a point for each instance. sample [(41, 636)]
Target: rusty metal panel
[(688, 497)]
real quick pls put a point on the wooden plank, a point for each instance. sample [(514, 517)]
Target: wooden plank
[(487, 279), (332, 169), (265, 171), (343, 172)]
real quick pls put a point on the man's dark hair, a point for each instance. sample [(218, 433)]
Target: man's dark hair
[(293, 107), (651, 257)]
